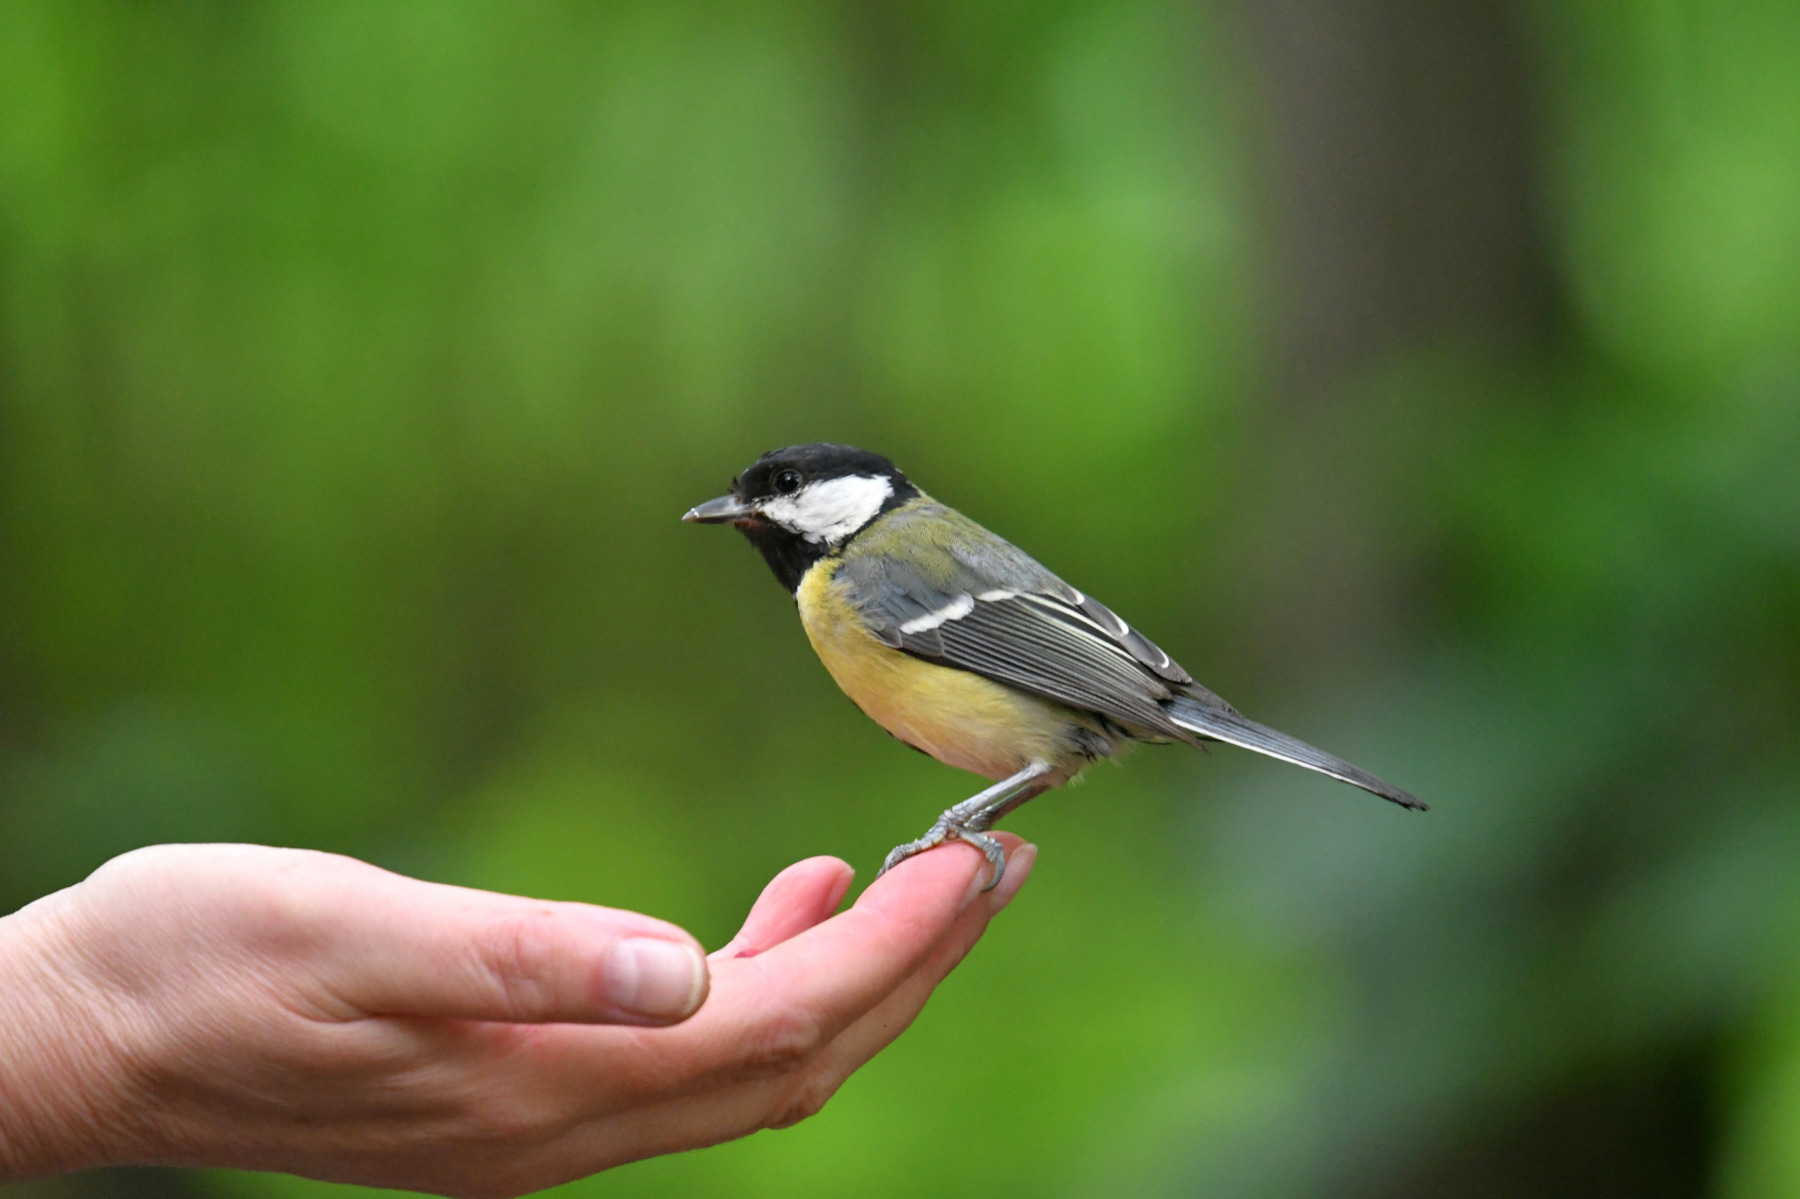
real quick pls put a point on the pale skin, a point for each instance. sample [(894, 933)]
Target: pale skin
[(269, 1009)]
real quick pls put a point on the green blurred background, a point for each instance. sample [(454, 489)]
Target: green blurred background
[(1424, 375)]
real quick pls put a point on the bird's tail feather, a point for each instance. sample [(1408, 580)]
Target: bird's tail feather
[(1225, 724)]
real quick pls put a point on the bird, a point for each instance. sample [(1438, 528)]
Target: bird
[(963, 646)]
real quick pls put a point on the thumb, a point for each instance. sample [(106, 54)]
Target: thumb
[(398, 946)]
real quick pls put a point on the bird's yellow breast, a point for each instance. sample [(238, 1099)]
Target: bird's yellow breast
[(959, 718)]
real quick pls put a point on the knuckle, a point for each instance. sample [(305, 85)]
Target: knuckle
[(514, 951), (786, 1040), (132, 862), (130, 873), (512, 1119), (804, 1100)]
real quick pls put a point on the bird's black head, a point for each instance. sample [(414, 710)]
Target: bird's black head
[(798, 504)]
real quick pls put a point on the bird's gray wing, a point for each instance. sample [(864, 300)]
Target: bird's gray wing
[(979, 604)]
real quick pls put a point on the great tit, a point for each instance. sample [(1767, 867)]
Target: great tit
[(963, 646)]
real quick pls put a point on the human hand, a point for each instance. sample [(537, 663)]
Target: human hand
[(233, 1005)]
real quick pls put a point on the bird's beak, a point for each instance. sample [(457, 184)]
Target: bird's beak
[(725, 510)]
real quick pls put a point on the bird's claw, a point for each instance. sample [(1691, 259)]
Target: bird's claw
[(947, 829)]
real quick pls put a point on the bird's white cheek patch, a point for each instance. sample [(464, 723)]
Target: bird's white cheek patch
[(831, 510)]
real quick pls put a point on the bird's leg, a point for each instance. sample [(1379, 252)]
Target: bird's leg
[(971, 819), (994, 812)]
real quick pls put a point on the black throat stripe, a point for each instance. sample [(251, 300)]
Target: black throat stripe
[(789, 555)]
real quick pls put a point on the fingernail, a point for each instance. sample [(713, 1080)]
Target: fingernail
[(840, 890), (977, 885), (660, 979), (1018, 868)]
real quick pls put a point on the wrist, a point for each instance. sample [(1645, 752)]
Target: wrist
[(60, 1098)]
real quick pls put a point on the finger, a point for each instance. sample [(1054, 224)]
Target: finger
[(777, 1010), (846, 965), (794, 901), (697, 1116), (770, 1015), (878, 1029), (398, 946)]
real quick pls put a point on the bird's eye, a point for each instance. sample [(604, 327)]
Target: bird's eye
[(787, 482)]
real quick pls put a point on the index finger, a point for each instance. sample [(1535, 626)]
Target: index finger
[(841, 968)]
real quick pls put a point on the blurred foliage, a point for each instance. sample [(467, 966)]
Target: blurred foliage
[(356, 361)]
